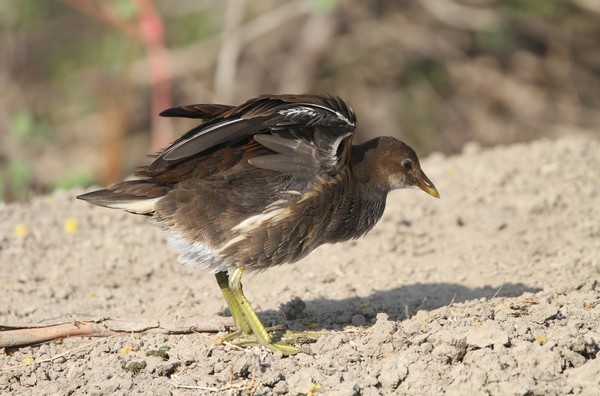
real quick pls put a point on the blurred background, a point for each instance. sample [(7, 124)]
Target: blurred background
[(83, 81)]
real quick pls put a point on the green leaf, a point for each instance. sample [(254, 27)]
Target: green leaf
[(160, 352)]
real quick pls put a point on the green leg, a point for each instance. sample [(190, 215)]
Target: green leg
[(264, 338), (236, 312)]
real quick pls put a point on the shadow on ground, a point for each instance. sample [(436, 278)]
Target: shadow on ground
[(398, 303)]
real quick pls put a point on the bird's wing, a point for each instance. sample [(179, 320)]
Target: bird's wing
[(201, 111), (302, 132)]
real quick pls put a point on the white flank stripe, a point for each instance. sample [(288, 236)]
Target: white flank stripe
[(257, 220), (251, 223), (231, 242)]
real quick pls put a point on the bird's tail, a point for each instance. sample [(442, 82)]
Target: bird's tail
[(134, 196)]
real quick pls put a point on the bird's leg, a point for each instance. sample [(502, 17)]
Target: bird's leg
[(264, 338), (242, 326), (235, 285)]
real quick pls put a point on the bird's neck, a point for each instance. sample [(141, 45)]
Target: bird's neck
[(369, 169), (354, 209)]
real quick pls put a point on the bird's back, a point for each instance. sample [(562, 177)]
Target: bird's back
[(229, 190)]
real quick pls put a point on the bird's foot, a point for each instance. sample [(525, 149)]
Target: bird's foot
[(301, 336), (275, 346), (280, 341), (233, 335)]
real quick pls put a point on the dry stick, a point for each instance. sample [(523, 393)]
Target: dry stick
[(497, 291), (37, 335), (225, 72), (312, 42), (209, 389), (13, 336)]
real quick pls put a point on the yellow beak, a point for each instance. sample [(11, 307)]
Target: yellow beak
[(426, 185)]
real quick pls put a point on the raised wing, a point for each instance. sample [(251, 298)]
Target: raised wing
[(303, 132), (202, 111)]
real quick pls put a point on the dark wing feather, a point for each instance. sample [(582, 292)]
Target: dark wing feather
[(209, 136), (201, 111), (303, 131)]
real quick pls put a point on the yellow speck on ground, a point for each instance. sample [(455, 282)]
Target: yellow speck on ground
[(313, 389), (71, 226), (541, 340), (126, 349), (28, 360), (21, 230)]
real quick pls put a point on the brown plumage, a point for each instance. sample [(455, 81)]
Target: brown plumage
[(263, 184)]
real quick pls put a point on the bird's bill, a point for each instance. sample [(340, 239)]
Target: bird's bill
[(426, 185)]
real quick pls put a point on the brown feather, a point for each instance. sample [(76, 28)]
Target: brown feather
[(200, 111), (266, 182)]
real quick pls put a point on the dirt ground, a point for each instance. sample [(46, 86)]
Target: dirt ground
[(493, 289)]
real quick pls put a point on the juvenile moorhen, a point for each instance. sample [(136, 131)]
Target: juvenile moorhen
[(263, 184)]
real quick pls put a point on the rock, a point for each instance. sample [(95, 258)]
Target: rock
[(393, 371), (302, 381), (359, 320), (542, 312), (346, 389), (382, 329), (488, 334), (293, 309), (166, 369)]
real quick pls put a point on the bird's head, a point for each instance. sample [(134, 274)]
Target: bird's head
[(394, 165)]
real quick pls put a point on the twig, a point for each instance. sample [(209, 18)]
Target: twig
[(14, 336), (461, 16), (311, 44), (228, 54), (452, 301), (498, 291), (231, 344), (212, 389)]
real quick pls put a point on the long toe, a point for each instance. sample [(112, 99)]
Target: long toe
[(301, 337), (284, 348)]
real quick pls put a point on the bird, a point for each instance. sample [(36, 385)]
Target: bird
[(262, 184)]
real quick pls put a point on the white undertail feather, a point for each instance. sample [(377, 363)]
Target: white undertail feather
[(197, 253), (144, 206)]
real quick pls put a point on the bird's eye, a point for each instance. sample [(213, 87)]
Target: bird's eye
[(407, 164)]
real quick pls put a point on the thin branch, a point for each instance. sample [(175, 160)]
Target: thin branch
[(14, 336), (462, 17), (228, 54), (152, 33)]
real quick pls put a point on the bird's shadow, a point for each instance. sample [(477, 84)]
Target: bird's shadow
[(398, 303)]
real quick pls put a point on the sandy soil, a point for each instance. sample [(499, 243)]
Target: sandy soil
[(494, 289)]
